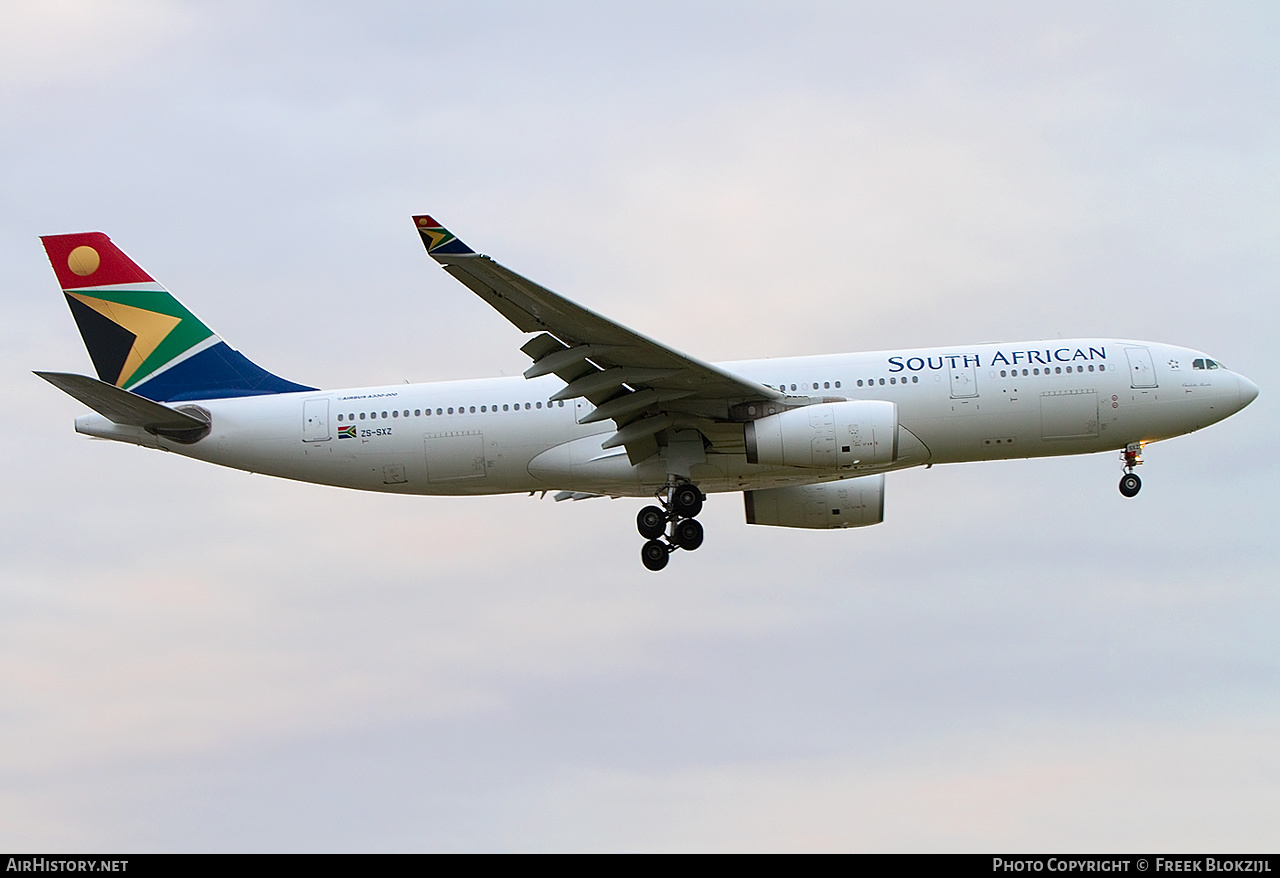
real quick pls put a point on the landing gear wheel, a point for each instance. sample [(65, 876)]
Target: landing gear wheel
[(688, 534), (686, 501), (655, 554), (651, 522), (1130, 485)]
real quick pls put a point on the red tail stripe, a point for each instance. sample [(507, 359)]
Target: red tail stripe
[(100, 264)]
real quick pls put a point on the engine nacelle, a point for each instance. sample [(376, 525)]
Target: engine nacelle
[(849, 503), (828, 436)]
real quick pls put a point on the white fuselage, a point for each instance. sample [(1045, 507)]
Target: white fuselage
[(499, 435)]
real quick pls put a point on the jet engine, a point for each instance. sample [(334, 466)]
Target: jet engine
[(849, 503), (828, 436)]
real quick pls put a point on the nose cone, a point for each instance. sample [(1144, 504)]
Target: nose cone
[(1248, 391)]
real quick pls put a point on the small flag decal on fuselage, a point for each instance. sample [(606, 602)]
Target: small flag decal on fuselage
[(347, 432)]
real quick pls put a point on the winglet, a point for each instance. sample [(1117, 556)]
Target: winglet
[(438, 240)]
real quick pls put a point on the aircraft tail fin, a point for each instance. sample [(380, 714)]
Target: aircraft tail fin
[(140, 338)]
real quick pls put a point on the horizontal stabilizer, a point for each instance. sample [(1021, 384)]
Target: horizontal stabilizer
[(121, 406)]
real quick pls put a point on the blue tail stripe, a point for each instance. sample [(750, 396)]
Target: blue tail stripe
[(217, 372), (454, 246)]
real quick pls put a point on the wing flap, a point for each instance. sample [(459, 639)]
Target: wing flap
[(551, 355)]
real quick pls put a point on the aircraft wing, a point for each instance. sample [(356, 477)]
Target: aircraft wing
[(642, 385)]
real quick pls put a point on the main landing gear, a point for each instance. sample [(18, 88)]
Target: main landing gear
[(1130, 484), (671, 526)]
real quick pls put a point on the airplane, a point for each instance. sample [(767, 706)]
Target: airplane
[(606, 411)]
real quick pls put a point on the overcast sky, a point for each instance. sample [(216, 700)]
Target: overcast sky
[(1017, 659)]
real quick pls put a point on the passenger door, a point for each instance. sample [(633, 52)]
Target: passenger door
[(315, 420), (1142, 372), (964, 382)]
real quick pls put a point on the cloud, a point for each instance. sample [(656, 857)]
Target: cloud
[(65, 43)]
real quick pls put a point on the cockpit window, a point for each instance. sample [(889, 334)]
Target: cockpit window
[(1206, 364)]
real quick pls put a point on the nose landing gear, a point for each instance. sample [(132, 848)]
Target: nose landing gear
[(671, 526), (1130, 484)]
